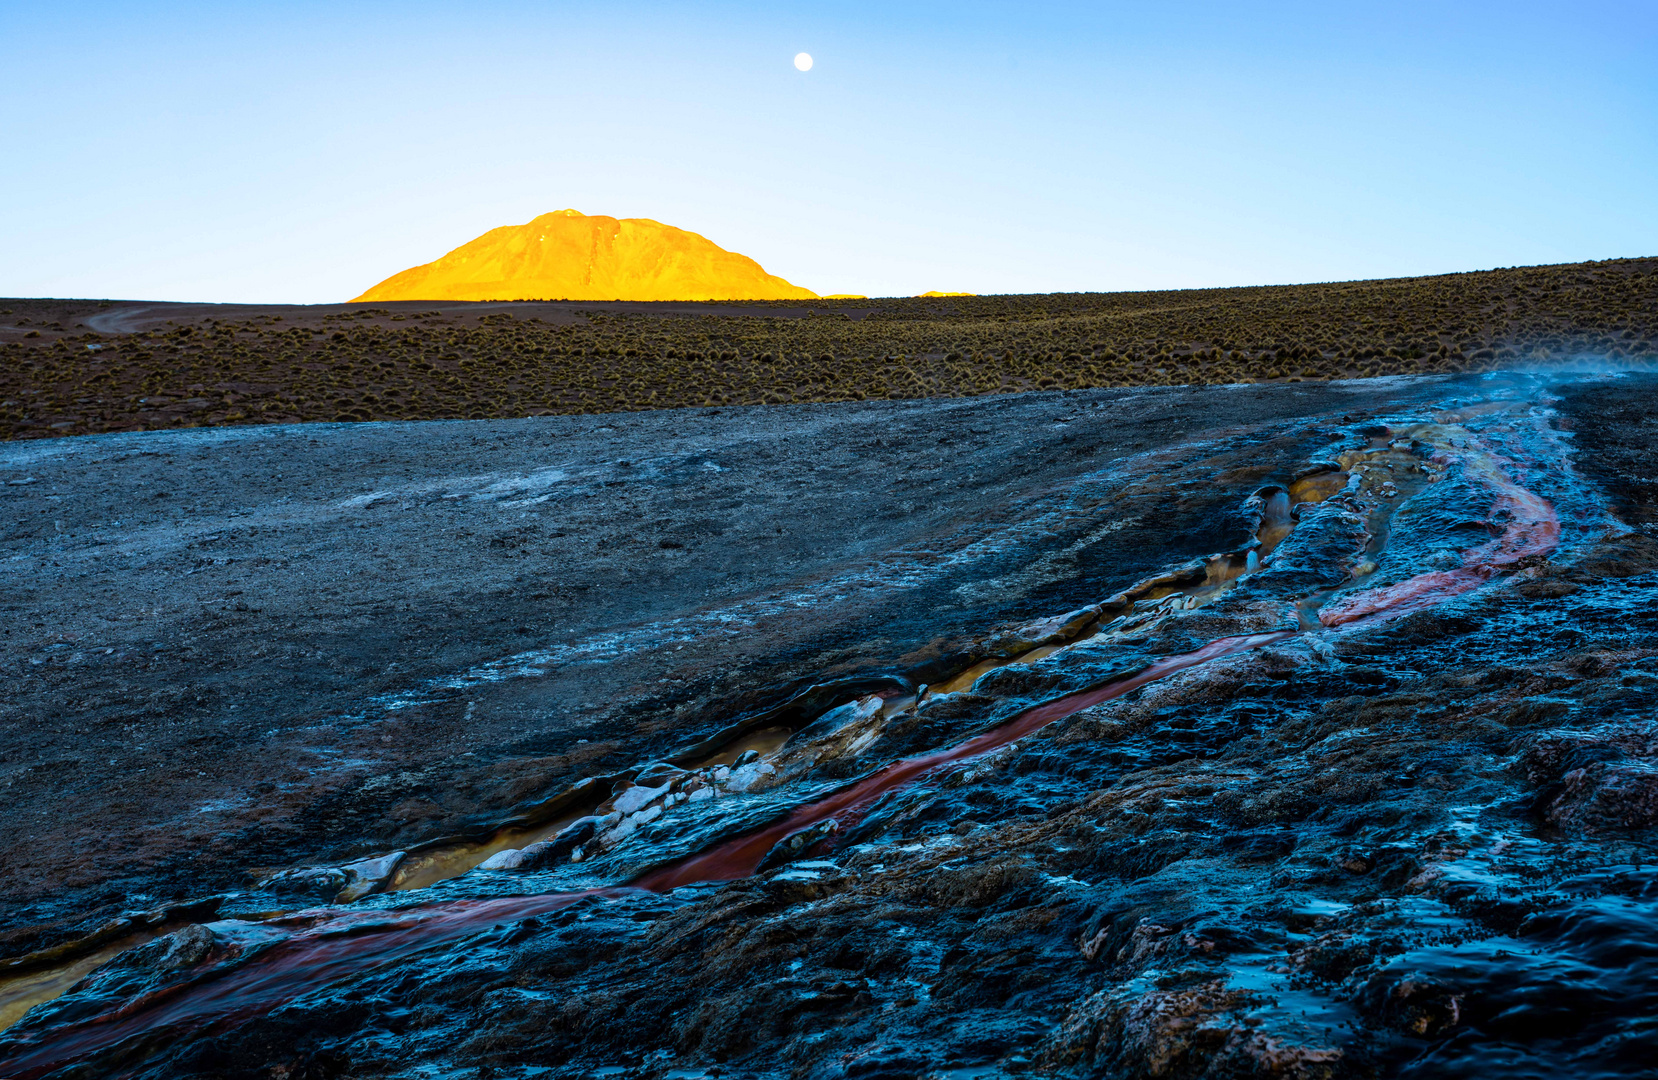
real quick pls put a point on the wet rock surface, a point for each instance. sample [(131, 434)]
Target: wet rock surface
[(1403, 825), (253, 647)]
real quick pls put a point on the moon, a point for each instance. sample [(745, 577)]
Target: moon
[(803, 61)]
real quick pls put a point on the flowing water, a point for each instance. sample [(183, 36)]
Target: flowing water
[(1401, 518)]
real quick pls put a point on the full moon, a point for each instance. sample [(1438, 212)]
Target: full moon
[(803, 61)]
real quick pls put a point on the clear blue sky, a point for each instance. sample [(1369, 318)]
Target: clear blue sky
[(303, 151)]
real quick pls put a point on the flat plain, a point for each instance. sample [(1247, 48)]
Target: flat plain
[(75, 367)]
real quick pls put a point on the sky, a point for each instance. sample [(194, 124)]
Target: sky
[(301, 152)]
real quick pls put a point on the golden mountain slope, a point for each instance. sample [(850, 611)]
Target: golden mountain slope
[(570, 256)]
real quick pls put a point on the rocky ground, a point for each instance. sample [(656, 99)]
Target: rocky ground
[(1414, 838)]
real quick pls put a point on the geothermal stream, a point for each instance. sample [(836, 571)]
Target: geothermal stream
[(258, 964)]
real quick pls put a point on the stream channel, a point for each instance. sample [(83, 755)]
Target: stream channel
[(1404, 520)]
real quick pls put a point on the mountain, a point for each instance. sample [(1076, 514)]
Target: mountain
[(570, 256)]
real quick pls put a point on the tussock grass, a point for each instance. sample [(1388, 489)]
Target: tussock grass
[(411, 363)]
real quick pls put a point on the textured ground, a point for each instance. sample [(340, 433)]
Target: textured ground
[(1417, 846), (78, 366), (209, 629)]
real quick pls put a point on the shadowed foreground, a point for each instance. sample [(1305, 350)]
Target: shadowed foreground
[(1299, 731)]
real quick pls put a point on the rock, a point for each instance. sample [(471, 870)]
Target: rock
[(323, 880), (636, 798), (796, 845), (536, 856), (836, 719), (349, 882), (546, 853), (505, 859), (751, 777), (622, 831), (367, 876), (1049, 631), (182, 948), (657, 774), (574, 835)]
